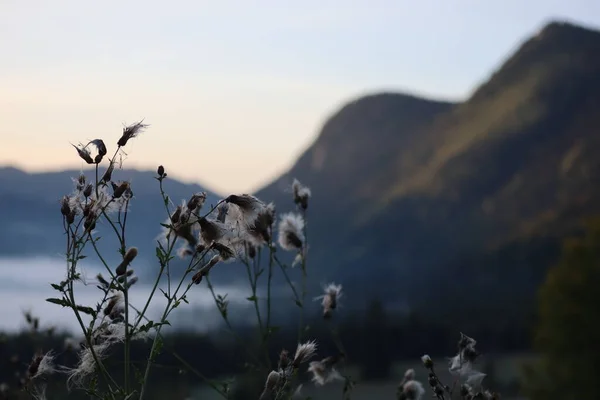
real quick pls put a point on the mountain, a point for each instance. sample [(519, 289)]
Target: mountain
[(417, 200), (32, 222)]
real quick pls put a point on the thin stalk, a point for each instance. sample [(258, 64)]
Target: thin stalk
[(71, 292), (166, 313), (228, 323), (254, 297), (304, 250), (288, 280), (190, 367)]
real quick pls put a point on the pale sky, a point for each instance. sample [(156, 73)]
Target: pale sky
[(234, 90)]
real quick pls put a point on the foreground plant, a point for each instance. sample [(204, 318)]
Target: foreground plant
[(468, 383), (239, 228)]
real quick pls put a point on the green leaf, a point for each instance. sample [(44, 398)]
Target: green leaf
[(146, 327), (57, 287), (60, 302), (252, 298), (86, 310), (299, 303)]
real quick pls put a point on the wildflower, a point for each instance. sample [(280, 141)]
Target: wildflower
[(260, 229), (42, 364), (291, 235), (86, 365), (130, 132), (412, 390), (161, 171), (115, 306), (270, 385), (196, 201), (427, 361), (108, 173), (249, 206), (129, 256), (84, 153), (79, 182), (330, 299), (225, 252), (197, 278), (87, 191), (222, 211), (304, 352), (121, 189), (301, 194), (211, 230), (132, 281), (100, 148), (65, 208), (324, 371), (462, 363)]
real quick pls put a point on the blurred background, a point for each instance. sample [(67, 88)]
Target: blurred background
[(451, 149)]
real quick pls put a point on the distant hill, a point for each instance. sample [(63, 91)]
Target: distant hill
[(32, 222), (416, 200)]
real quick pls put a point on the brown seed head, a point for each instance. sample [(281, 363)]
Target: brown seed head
[(84, 154), (87, 192), (120, 189), (108, 173), (130, 132), (65, 209)]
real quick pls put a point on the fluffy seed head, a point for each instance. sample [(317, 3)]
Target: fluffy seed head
[(323, 372), (304, 352), (427, 361), (131, 131), (329, 300), (301, 194), (413, 390), (291, 235)]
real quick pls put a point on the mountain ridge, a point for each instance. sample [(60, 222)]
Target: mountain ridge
[(481, 176)]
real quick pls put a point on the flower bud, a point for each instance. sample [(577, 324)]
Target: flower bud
[(427, 361), (127, 259), (87, 192)]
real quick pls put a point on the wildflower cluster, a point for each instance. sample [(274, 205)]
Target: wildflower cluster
[(238, 228), (409, 388), (462, 367)]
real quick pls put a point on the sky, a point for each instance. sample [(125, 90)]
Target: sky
[(234, 91)]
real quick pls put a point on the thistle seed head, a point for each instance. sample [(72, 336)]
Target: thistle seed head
[(301, 194), (130, 132)]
